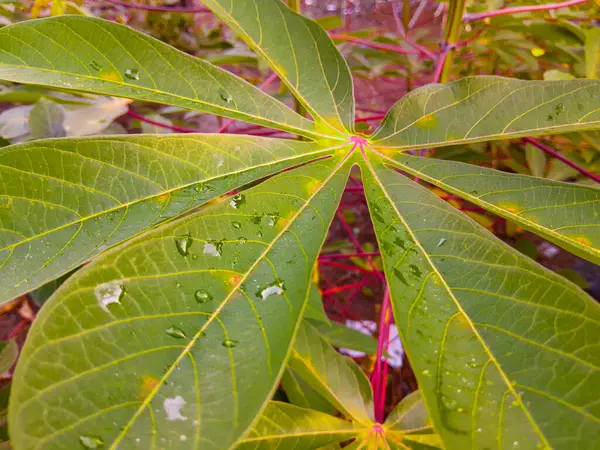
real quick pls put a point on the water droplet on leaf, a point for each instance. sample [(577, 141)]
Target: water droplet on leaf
[(109, 293), (225, 96), (229, 343), (172, 407), (415, 270), (237, 200), (94, 65), (175, 332), (213, 248), (132, 74), (236, 225), (442, 241), (91, 442), (203, 296), (183, 244), (274, 288)]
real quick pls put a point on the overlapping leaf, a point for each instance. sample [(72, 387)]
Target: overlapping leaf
[(335, 377), (505, 351), (300, 52), (283, 426), (94, 55), (180, 335), (566, 214), (62, 201), (487, 108)]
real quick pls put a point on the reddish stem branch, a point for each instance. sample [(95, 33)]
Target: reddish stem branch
[(160, 124), (377, 45), (159, 8), (378, 379), (522, 9), (559, 156), (349, 255), (369, 118), (263, 86)]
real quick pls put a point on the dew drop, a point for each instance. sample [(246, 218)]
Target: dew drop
[(203, 296), (225, 96), (132, 74), (426, 372), (559, 108), (172, 407), (415, 270), (213, 248), (515, 444), (109, 293), (274, 288), (91, 442), (259, 233), (442, 241), (183, 244), (236, 225), (237, 200), (94, 65), (229, 343), (175, 332), (183, 437)]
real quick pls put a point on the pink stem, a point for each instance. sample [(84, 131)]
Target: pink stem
[(402, 33), (377, 379), (162, 125), (377, 45), (159, 8), (440, 65), (349, 255), (522, 9), (263, 86), (368, 119), (559, 156)]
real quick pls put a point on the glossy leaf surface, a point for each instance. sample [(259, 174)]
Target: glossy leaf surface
[(62, 201), (300, 52), (284, 426), (182, 334), (504, 350), (567, 214), (487, 108), (102, 57), (337, 378)]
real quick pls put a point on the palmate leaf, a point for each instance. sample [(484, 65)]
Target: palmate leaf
[(186, 329), (300, 52), (506, 352), (180, 335), (102, 57), (564, 213), (64, 200), (488, 108)]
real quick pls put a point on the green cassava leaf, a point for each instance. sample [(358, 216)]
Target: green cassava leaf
[(341, 336), (102, 57), (300, 52), (314, 308), (592, 53), (46, 120), (301, 393), (337, 378), (488, 108), (565, 213), (188, 326), (287, 426), (505, 351), (9, 351), (62, 201)]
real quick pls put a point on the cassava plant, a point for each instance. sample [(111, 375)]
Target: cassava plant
[(199, 251)]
